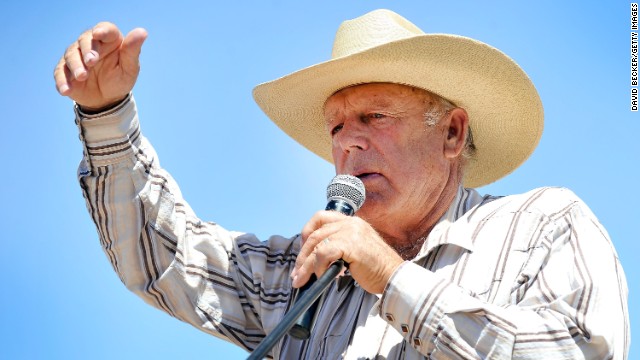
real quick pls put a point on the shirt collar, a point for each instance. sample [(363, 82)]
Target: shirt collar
[(464, 200)]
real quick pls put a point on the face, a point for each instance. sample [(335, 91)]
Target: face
[(379, 134)]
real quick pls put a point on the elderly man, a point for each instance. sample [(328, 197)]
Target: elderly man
[(435, 269)]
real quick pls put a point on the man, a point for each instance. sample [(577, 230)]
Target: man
[(435, 269)]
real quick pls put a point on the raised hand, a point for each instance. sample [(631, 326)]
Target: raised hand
[(101, 67)]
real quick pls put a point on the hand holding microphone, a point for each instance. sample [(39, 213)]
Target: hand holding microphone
[(345, 195), (352, 240), (371, 261)]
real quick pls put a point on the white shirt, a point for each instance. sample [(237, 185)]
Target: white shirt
[(530, 276)]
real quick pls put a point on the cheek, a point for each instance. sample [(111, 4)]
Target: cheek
[(337, 159), (423, 161)]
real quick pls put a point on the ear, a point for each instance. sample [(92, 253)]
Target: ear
[(456, 133)]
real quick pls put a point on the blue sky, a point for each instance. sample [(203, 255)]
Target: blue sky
[(60, 298)]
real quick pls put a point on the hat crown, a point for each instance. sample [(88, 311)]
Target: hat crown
[(370, 30)]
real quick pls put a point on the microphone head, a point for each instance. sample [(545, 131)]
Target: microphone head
[(347, 188)]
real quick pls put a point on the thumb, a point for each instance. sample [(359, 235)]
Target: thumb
[(130, 50)]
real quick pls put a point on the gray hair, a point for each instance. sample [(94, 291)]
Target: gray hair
[(438, 107)]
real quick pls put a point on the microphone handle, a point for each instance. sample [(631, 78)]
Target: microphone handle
[(302, 329), (302, 304)]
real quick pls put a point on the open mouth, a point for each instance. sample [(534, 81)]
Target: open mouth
[(366, 175)]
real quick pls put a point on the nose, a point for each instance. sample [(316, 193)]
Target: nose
[(352, 136)]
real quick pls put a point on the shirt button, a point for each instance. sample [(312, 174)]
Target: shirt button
[(389, 317), (417, 342)]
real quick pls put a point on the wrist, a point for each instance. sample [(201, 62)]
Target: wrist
[(92, 110)]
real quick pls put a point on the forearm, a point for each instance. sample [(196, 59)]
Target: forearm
[(442, 320), (127, 194)]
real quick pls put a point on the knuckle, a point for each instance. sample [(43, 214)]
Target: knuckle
[(70, 53), (85, 35), (58, 80), (56, 71), (304, 234), (104, 23), (312, 238), (304, 270), (321, 258)]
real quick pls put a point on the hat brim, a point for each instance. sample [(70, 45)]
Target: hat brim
[(505, 111)]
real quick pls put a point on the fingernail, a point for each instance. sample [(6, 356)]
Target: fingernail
[(295, 281), (293, 273), (78, 73), (89, 57), (64, 88)]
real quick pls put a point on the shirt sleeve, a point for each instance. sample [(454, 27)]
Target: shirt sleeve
[(226, 283), (572, 306)]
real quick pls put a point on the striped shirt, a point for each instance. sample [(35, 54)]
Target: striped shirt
[(530, 276)]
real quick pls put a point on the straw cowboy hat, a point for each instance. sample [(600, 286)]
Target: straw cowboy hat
[(505, 111)]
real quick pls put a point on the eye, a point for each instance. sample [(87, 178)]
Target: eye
[(336, 129), (367, 117)]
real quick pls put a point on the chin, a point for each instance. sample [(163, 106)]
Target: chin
[(370, 213)]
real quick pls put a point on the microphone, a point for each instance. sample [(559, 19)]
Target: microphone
[(345, 194)]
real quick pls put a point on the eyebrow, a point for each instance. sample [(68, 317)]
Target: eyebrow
[(375, 101)]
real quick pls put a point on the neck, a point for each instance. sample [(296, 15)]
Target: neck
[(409, 242)]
